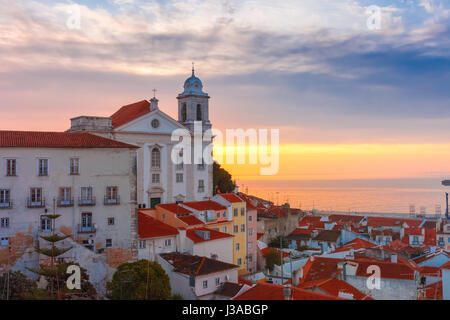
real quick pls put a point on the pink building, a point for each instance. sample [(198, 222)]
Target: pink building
[(252, 226)]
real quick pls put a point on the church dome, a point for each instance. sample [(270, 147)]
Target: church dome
[(193, 86)]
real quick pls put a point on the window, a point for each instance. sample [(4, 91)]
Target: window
[(235, 212), (43, 167), (205, 284), (46, 224), (218, 215), (108, 243), (179, 177), (86, 222), (74, 166), (242, 227), (183, 113), (250, 258), (199, 112), (224, 229), (239, 262), (86, 193), (217, 281), (242, 211), (236, 229), (156, 158), (201, 186), (168, 242), (238, 246), (36, 196), (111, 221), (224, 214), (111, 194), (4, 241), (11, 166), (4, 222), (4, 198), (250, 231), (250, 218), (155, 178), (155, 123), (250, 245), (142, 244)]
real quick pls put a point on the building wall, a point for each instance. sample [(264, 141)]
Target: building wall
[(252, 234), (223, 248), (446, 284), (224, 276), (155, 246), (390, 289)]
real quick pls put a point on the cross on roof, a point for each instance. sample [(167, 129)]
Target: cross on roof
[(154, 93)]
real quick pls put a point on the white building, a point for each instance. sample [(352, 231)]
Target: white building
[(86, 179), (159, 179), (195, 277)]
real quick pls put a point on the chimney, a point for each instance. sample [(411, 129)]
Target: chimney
[(394, 258), (295, 278), (153, 104), (287, 293)]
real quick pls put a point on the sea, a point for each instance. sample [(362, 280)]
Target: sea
[(382, 196)]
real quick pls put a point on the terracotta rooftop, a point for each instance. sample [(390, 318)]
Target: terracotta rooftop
[(355, 244), (130, 112), (38, 139), (345, 218), (333, 287), (213, 235), (174, 208), (149, 227), (328, 235), (266, 251), (229, 289), (190, 220), (231, 197), (195, 265), (267, 291), (434, 291), (205, 205)]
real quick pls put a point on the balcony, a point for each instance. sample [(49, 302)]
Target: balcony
[(86, 201), (6, 205), (86, 229), (33, 204), (64, 203), (112, 201)]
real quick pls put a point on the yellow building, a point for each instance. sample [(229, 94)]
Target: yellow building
[(236, 207)]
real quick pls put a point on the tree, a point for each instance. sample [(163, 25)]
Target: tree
[(19, 286), (273, 258), (222, 180), (140, 280), (275, 243)]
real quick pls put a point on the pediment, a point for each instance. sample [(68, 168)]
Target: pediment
[(156, 122)]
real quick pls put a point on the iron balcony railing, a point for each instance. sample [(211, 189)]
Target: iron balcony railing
[(6, 205), (65, 202), (35, 203), (86, 201), (86, 229), (111, 201)]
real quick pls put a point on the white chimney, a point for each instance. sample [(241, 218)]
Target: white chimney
[(287, 293), (295, 278)]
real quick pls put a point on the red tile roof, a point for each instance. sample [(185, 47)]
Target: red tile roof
[(149, 227), (231, 197), (130, 112), (213, 235), (259, 235), (174, 208), (190, 220), (267, 291), (266, 251), (205, 205), (446, 265), (333, 287), (195, 265), (345, 218), (355, 244), (430, 271), (391, 222), (38, 139), (434, 291)]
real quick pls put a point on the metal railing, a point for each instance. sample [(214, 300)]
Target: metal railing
[(35, 204), (65, 202), (111, 201), (86, 229), (6, 205), (86, 201)]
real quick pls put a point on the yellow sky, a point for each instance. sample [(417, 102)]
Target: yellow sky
[(356, 161)]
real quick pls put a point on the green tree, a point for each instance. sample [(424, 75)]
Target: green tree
[(222, 180), (140, 280), (273, 258), (275, 243), (17, 285)]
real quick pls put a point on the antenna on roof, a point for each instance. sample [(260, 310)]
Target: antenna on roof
[(193, 69)]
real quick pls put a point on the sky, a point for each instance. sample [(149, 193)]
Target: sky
[(351, 102)]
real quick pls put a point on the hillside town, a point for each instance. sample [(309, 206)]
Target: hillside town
[(108, 186)]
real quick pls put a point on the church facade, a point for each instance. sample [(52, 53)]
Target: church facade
[(159, 179)]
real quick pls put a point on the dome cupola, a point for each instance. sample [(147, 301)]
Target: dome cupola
[(193, 86)]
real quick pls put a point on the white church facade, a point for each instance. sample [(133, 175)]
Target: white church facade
[(159, 179)]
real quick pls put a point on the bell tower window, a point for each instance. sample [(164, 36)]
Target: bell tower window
[(199, 112), (183, 113)]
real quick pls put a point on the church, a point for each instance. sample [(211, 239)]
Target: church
[(145, 125)]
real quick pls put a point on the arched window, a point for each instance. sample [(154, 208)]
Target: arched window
[(156, 158), (183, 113), (199, 112)]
